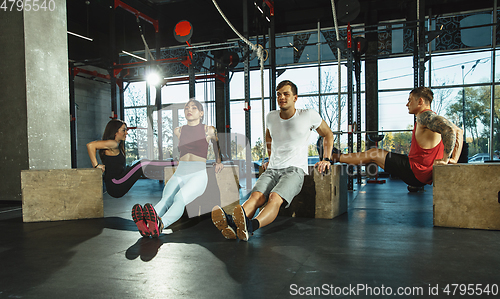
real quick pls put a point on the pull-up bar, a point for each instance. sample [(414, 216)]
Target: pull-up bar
[(361, 132), (137, 13)]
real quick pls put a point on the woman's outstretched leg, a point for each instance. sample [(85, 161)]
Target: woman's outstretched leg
[(193, 187)]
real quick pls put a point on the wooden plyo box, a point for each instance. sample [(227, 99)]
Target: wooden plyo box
[(331, 192), (61, 194), (322, 195), (467, 196), (228, 181)]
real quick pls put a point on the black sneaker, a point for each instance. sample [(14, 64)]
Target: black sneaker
[(138, 216), (224, 223), (154, 221), (243, 224)]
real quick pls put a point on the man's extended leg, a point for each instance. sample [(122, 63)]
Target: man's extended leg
[(268, 213), (288, 186), (264, 184), (225, 223), (242, 215), (374, 155), (397, 164), (255, 201), (271, 210)]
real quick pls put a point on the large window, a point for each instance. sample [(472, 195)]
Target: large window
[(238, 121), (459, 71), (461, 68), (306, 79), (395, 73), (462, 92)]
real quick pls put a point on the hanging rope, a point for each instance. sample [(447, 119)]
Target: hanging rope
[(260, 54), (339, 71), (144, 40)]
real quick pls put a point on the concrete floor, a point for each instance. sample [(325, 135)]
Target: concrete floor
[(386, 240)]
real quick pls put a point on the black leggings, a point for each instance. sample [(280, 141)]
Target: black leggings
[(119, 186)]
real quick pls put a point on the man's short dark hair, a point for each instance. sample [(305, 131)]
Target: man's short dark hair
[(423, 92), (290, 83)]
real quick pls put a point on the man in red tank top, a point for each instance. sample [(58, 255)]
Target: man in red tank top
[(435, 141)]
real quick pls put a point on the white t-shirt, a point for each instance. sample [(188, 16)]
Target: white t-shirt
[(290, 138)]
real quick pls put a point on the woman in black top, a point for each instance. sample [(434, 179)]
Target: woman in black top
[(117, 177)]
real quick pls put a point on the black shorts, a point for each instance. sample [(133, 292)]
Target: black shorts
[(398, 165)]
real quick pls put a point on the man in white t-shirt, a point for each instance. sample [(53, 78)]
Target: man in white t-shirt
[(287, 139)]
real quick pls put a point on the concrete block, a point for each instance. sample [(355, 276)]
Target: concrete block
[(467, 196), (322, 195), (61, 194)]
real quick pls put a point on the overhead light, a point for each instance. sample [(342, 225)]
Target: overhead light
[(153, 79), (260, 9), (80, 36), (133, 55)]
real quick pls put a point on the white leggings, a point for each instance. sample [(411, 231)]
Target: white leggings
[(188, 182)]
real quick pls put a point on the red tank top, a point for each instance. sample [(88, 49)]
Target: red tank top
[(421, 159), (193, 141)]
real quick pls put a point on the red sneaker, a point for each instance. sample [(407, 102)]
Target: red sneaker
[(138, 216), (155, 224)]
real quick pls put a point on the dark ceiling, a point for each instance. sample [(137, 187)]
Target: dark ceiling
[(94, 18)]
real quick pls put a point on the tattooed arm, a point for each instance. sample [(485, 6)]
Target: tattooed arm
[(447, 130), (459, 142)]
